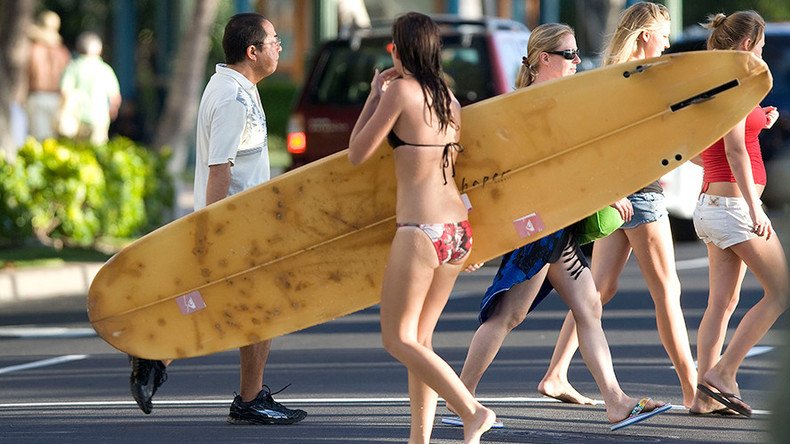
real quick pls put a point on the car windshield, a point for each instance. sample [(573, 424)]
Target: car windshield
[(346, 78)]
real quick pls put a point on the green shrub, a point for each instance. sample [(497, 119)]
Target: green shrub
[(15, 217), (75, 193), (138, 181), (279, 157), (277, 96)]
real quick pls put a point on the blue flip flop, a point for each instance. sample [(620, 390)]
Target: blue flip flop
[(637, 415), (456, 421)]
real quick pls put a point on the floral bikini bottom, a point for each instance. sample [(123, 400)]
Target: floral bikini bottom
[(452, 241)]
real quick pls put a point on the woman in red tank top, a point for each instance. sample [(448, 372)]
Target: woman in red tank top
[(738, 234)]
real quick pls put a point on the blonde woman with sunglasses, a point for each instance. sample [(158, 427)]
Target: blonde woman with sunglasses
[(527, 274), (642, 32)]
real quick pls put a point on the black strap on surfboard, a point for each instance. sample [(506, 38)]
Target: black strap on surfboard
[(705, 96), (641, 68)]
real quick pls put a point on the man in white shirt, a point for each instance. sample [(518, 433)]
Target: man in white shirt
[(232, 156)]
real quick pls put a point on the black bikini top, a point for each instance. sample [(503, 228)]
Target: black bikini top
[(396, 142)]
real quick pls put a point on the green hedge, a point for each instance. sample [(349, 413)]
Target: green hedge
[(75, 194), (278, 97)]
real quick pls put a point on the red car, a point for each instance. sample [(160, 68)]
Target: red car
[(480, 57)]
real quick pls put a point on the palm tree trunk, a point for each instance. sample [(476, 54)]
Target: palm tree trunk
[(15, 17), (178, 118), (600, 19)]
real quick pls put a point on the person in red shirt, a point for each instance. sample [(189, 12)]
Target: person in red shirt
[(738, 234)]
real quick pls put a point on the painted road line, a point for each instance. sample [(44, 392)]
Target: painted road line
[(755, 351), (42, 363), (31, 332), (758, 350), (301, 401)]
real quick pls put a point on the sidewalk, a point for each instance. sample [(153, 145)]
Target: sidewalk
[(68, 279), (31, 283)]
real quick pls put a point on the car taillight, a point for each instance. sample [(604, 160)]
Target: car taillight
[(297, 140)]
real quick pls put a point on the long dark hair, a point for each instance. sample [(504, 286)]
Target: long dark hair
[(417, 41)]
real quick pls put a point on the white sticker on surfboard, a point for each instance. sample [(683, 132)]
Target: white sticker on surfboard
[(190, 302), (467, 202), (529, 225)]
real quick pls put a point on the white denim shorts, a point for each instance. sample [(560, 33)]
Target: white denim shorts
[(725, 221)]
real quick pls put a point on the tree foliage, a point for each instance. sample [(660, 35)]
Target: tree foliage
[(73, 194), (178, 117), (698, 10)]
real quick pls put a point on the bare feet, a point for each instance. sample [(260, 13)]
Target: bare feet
[(563, 391), (726, 385), (480, 423), (704, 405), (721, 389), (689, 396)]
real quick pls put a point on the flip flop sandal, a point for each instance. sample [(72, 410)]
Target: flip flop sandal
[(726, 411), (637, 415), (456, 421), (726, 399)]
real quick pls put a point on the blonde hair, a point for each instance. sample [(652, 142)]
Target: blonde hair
[(543, 38), (638, 18), (727, 32)]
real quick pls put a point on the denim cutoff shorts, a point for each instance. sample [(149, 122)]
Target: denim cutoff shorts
[(648, 207), (725, 221)]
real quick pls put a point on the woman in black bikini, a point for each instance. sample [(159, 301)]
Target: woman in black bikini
[(433, 237)]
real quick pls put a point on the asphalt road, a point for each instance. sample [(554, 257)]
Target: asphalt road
[(59, 382)]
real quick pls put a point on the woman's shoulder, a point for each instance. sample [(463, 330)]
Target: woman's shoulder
[(403, 85), (404, 91)]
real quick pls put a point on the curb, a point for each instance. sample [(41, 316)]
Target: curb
[(45, 282), (70, 279), (73, 279)]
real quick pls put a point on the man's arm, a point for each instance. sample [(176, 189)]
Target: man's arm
[(218, 182)]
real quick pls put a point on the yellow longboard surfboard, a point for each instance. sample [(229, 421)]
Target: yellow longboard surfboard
[(311, 245)]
